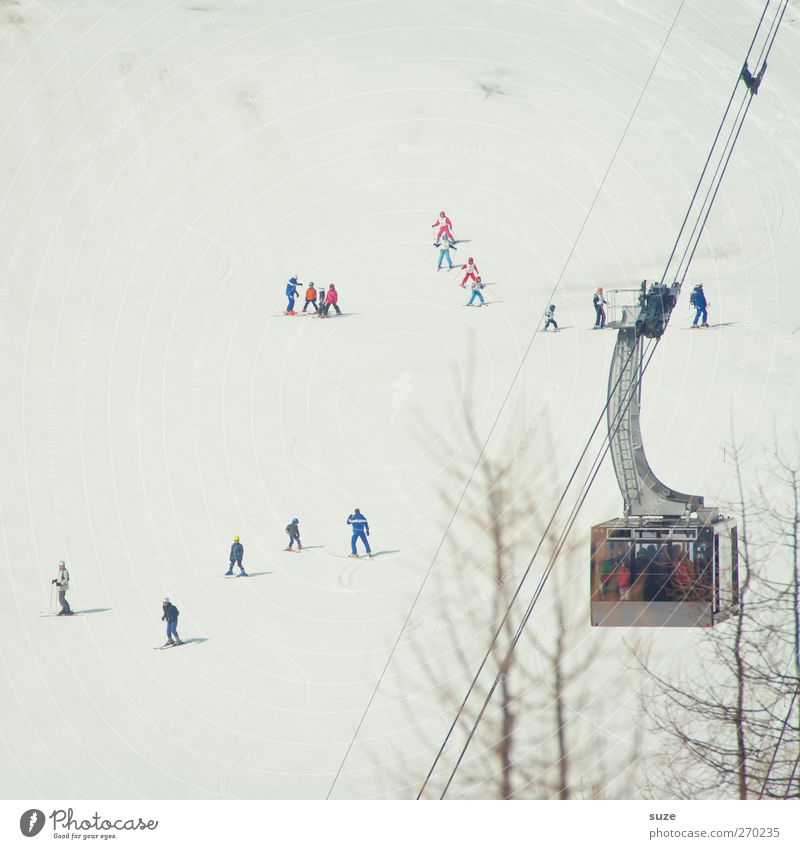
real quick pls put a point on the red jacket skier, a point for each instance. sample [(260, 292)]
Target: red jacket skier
[(472, 271), (445, 226)]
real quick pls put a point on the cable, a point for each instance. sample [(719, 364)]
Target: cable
[(586, 448), (500, 411), (715, 184)]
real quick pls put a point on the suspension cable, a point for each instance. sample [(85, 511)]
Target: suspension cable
[(499, 413), (716, 179)]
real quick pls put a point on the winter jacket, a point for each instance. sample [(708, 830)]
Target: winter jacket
[(358, 521), (443, 222), (291, 288), (698, 298), (549, 312), (311, 294), (332, 296), (320, 296), (171, 613), (237, 551), (293, 530), (62, 581), (470, 269), (476, 287), (598, 300)]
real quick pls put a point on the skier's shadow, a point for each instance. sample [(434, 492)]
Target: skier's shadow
[(312, 547), (95, 610), (386, 551), (256, 574), (195, 640)]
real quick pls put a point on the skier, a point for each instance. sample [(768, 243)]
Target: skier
[(360, 527), (549, 314), (311, 298), (472, 272), (291, 294), (170, 616), (445, 244), (331, 300), (321, 302), (600, 314), (294, 535), (62, 582), (237, 553), (476, 292), (700, 304), (444, 225)]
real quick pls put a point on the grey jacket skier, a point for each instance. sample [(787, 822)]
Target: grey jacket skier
[(62, 582)]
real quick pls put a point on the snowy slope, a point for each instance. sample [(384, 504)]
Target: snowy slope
[(165, 168)]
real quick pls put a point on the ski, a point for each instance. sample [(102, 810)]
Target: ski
[(60, 615)]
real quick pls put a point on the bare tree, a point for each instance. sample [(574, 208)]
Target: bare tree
[(730, 724), (537, 740)]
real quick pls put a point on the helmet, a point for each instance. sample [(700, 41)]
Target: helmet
[(552, 306), (61, 564), (600, 289), (331, 286), (236, 539), (295, 521), (356, 510), (469, 260), (166, 601), (442, 214), (293, 280)]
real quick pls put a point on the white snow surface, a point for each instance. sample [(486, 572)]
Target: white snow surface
[(166, 166)]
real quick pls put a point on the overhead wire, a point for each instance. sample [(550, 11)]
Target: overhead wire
[(694, 238), (512, 384)]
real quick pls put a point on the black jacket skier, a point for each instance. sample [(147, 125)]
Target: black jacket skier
[(170, 616)]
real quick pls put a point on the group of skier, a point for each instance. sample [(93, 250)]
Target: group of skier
[(320, 300), (697, 299), (446, 242)]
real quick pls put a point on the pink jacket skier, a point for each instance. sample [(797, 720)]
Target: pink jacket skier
[(332, 300), (445, 226), (472, 271)]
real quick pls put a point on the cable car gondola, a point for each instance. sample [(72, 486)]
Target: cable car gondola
[(669, 560)]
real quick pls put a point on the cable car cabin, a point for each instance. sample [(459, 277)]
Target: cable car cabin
[(664, 572)]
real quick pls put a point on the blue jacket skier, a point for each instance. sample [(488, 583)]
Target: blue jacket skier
[(293, 529), (237, 554), (170, 616), (291, 294), (700, 304), (476, 292), (360, 526)]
